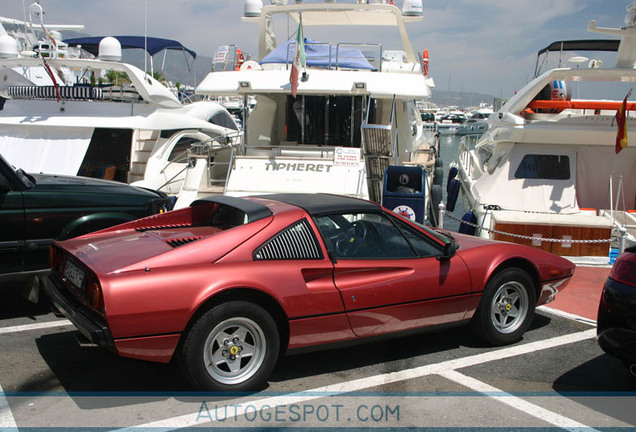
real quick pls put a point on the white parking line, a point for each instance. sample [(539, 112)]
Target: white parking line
[(189, 420), (516, 402), (567, 315), (7, 422), (39, 326)]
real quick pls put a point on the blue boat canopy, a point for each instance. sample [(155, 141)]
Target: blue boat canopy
[(319, 54), (152, 45)]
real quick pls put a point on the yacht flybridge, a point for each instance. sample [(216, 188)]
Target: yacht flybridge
[(552, 170), (64, 111), (351, 113)]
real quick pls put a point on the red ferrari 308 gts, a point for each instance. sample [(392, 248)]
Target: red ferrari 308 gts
[(226, 286)]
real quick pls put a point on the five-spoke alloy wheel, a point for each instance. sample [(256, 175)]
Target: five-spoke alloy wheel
[(506, 307), (233, 346)]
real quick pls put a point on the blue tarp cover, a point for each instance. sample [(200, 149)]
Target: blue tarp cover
[(154, 45), (318, 55)]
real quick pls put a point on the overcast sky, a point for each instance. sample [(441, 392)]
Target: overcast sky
[(484, 46)]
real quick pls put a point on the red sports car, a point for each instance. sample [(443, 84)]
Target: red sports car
[(226, 286)]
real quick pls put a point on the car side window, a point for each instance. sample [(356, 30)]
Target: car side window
[(423, 246), (363, 236), (296, 242)]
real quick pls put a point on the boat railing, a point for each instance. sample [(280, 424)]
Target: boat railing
[(467, 157), (372, 53), (336, 57), (290, 151), (76, 93)]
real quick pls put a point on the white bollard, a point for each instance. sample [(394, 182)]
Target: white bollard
[(440, 218)]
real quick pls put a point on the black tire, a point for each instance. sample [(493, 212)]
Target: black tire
[(506, 307), (213, 355)]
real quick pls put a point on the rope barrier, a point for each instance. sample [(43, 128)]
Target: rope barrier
[(523, 237)]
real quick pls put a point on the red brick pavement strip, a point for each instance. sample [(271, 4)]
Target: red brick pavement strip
[(582, 295)]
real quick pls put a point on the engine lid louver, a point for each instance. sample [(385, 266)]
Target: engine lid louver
[(161, 227), (182, 241)]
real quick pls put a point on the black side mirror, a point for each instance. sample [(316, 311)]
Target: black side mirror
[(448, 252)]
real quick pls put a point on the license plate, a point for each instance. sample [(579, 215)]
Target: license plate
[(74, 274)]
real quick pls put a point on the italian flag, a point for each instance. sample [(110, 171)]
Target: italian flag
[(299, 59)]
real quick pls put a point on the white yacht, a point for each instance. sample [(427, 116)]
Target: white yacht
[(59, 114), (548, 172), (355, 110)]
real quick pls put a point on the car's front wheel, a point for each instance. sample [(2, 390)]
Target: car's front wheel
[(506, 308), (232, 347)]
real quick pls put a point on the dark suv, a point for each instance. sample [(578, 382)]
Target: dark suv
[(37, 208)]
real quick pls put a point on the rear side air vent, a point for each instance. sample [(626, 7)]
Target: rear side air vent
[(294, 242), (182, 241)]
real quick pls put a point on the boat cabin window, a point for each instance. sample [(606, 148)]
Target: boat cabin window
[(223, 119), (545, 167), (325, 120), (179, 152)]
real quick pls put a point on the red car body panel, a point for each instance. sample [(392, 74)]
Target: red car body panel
[(156, 273), (153, 348)]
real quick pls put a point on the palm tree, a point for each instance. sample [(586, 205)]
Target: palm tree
[(117, 78)]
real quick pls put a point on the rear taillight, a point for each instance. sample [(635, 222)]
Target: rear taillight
[(55, 259), (624, 269), (95, 295)]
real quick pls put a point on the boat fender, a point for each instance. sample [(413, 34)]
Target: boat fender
[(452, 193), (438, 176), (452, 173), (468, 229), (439, 163), (436, 198)]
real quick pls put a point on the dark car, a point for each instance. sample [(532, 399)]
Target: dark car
[(228, 284), (37, 208), (616, 323)]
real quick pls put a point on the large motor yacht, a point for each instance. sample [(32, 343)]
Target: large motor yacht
[(552, 170), (350, 115)]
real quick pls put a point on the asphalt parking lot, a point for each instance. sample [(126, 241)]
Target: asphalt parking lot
[(556, 378)]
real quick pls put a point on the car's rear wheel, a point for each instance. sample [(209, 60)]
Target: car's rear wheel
[(506, 308), (232, 347)]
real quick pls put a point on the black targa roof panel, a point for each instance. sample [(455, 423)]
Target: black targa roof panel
[(319, 203), (254, 210)]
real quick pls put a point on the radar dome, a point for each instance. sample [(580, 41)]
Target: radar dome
[(412, 8), (8, 47), (253, 8), (109, 49)]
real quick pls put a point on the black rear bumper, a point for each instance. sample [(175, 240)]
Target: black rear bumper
[(616, 322), (85, 319)]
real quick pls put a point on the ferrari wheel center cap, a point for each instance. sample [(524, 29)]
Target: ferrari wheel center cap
[(234, 350)]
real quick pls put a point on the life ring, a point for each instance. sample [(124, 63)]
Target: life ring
[(452, 192), (425, 62)]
